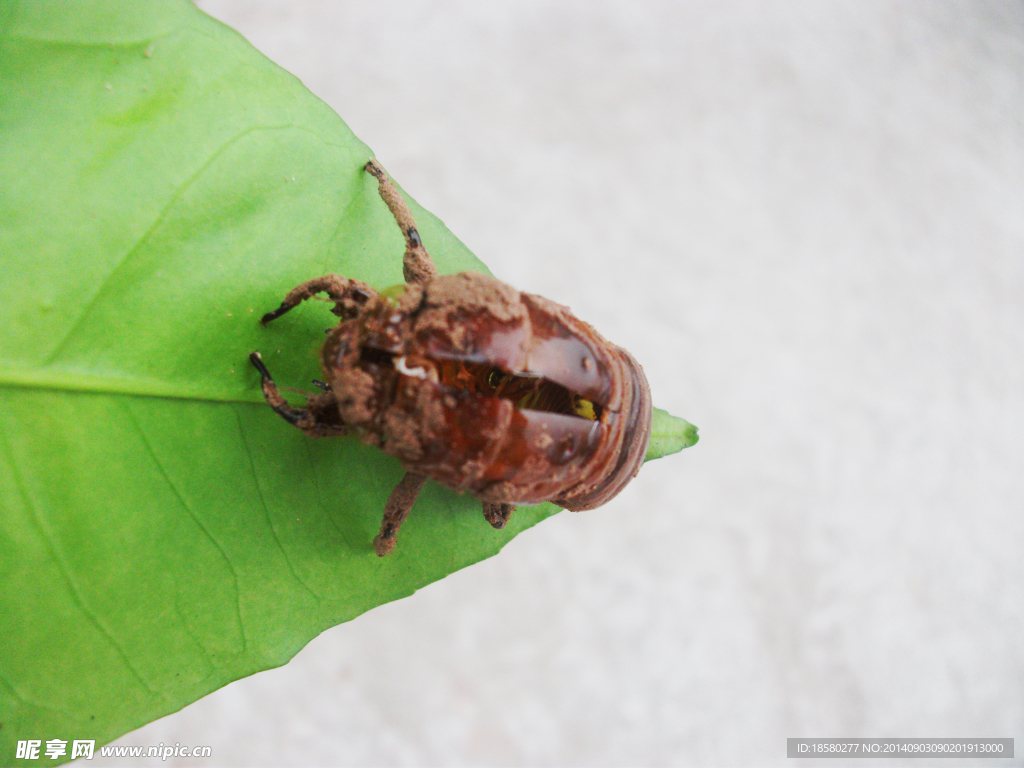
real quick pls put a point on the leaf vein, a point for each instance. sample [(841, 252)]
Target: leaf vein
[(188, 509), (65, 42), (319, 494), (126, 258), (48, 540), (266, 509), (15, 693)]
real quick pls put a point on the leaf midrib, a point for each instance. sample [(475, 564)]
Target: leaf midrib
[(15, 378), (67, 381)]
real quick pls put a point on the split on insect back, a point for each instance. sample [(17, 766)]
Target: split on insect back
[(472, 384)]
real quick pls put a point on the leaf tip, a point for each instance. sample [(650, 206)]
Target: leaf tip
[(669, 434)]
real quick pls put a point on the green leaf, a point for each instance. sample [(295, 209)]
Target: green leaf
[(162, 533), (669, 434)]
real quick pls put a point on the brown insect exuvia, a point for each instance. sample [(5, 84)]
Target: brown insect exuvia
[(474, 385)]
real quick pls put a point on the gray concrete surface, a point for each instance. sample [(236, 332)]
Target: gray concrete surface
[(807, 221)]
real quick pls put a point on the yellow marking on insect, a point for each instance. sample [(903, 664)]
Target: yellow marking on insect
[(528, 400), (583, 407), (393, 294)]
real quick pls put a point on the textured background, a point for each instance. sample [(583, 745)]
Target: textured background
[(807, 222)]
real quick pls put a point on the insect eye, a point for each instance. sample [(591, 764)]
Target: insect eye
[(496, 378)]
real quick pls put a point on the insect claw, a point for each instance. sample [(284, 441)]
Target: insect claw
[(294, 416), (497, 513), (375, 169), (274, 314), (396, 510), (257, 362)]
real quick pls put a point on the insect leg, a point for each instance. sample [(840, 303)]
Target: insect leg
[(273, 397), (348, 296), (396, 510), (318, 419), (497, 513), (417, 265)]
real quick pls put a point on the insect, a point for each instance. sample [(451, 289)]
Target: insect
[(472, 384)]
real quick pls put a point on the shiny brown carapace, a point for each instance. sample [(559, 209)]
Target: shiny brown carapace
[(474, 385)]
